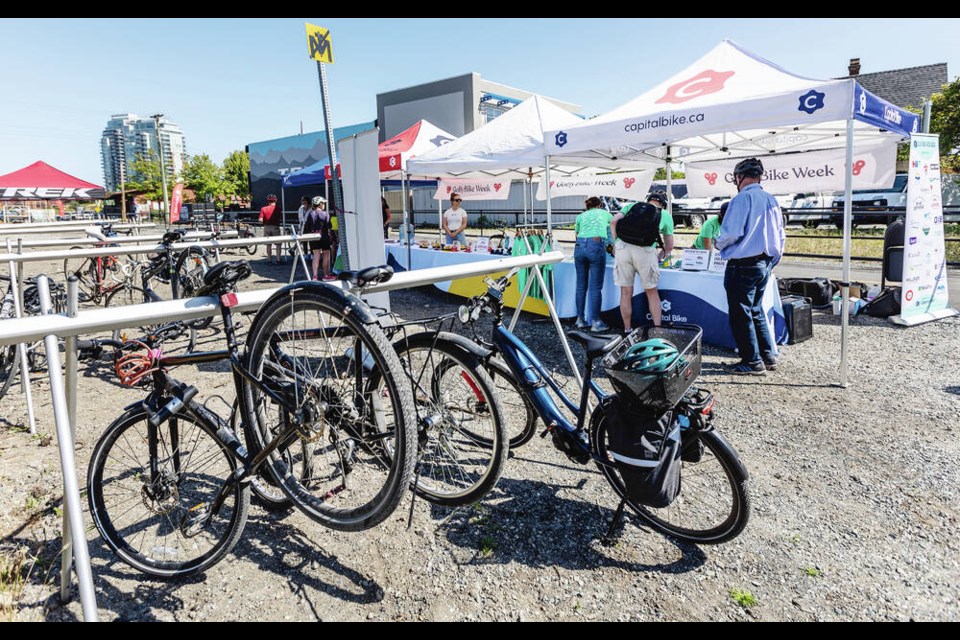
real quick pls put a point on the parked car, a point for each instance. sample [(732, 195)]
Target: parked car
[(693, 212), (871, 206)]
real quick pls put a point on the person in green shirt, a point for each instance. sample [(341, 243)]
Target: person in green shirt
[(590, 260), (710, 230)]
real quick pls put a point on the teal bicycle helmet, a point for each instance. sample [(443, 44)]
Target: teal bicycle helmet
[(655, 355)]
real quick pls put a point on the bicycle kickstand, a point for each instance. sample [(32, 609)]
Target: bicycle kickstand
[(610, 537)]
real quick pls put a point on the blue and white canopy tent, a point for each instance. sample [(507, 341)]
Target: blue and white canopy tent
[(732, 104)]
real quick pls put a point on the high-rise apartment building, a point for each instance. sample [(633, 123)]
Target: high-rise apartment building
[(128, 136)]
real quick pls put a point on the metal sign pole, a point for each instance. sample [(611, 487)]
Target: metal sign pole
[(17, 283), (332, 154), (71, 488)]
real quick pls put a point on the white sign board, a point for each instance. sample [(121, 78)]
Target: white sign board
[(924, 287), (874, 167), (717, 264), (482, 245), (469, 189), (695, 259), (632, 185)]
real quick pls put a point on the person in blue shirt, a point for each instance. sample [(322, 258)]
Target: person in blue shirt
[(751, 240)]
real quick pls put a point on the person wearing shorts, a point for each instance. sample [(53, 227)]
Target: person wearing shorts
[(318, 221), (271, 216)]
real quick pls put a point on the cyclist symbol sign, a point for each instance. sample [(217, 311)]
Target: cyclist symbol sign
[(319, 43)]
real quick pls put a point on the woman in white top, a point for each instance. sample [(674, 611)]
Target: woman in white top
[(303, 212), (455, 221)]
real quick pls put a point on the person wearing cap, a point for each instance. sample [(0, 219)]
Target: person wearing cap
[(271, 215), (751, 240), (318, 221)]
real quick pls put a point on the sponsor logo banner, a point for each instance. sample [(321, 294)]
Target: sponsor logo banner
[(632, 185), (924, 260), (470, 189), (874, 167), (49, 193)]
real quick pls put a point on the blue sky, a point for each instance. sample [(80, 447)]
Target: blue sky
[(229, 82)]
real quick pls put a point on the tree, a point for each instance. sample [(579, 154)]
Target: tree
[(236, 175), (945, 120), (661, 174), (145, 176), (202, 175)]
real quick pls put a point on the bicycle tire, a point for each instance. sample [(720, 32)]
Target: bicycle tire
[(9, 367), (362, 463), (141, 520), (521, 417), (135, 295), (192, 264), (265, 490), (462, 434), (724, 508)]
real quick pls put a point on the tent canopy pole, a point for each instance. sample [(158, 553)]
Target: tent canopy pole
[(845, 278)]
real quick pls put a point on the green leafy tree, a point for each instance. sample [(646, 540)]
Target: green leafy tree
[(203, 176), (945, 120), (661, 174), (145, 176), (236, 175)]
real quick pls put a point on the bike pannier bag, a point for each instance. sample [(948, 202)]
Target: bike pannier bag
[(646, 451), (884, 305), (640, 225), (819, 290)]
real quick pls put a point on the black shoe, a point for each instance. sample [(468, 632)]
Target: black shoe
[(770, 365), (746, 368)]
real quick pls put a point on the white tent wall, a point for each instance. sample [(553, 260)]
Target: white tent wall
[(362, 223)]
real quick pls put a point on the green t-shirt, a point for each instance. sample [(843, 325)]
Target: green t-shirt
[(666, 221), (593, 223), (710, 229)]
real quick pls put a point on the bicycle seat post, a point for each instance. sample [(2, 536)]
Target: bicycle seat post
[(585, 393)]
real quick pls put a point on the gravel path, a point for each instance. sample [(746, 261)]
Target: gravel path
[(855, 495)]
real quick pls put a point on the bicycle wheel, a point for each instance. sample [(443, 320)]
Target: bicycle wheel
[(85, 269), (714, 503), (192, 264), (264, 487), (142, 502), (183, 340), (9, 367), (520, 416), (461, 427), (301, 345)]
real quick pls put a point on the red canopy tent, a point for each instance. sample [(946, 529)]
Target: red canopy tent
[(40, 181), (422, 136)]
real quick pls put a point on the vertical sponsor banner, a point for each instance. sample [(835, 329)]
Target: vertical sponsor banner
[(176, 201), (469, 189), (924, 262)]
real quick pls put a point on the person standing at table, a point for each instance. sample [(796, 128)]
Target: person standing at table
[(590, 260), (638, 230), (455, 221), (302, 212), (710, 230), (751, 240), (271, 216)]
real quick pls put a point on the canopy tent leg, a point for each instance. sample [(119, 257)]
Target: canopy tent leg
[(546, 176), (406, 235), (845, 278)]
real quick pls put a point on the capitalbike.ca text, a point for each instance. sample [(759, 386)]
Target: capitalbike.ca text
[(663, 121), (772, 175)]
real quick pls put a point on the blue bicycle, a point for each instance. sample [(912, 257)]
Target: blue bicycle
[(713, 504)]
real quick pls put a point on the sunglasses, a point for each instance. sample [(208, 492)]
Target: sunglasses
[(457, 200)]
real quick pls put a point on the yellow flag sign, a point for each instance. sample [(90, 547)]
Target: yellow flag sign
[(319, 43)]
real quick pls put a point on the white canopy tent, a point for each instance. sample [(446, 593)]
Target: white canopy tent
[(731, 104)]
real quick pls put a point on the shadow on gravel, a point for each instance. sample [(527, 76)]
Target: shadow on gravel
[(535, 527), (954, 389)]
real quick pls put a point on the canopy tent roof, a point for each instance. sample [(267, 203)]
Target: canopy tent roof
[(420, 138), (730, 103), (40, 181), (511, 146)]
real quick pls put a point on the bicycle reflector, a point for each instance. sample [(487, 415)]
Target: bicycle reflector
[(228, 300), (132, 367)]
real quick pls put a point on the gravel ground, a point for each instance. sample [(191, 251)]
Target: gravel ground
[(855, 495)]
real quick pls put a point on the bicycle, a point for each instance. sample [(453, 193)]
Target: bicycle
[(168, 481), (100, 276), (713, 505)]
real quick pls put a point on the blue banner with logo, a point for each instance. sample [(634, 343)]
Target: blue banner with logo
[(874, 110)]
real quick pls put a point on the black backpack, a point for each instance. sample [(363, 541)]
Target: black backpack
[(640, 225), (647, 452)]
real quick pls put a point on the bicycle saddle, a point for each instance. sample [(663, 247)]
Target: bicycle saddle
[(595, 345), (171, 236), (223, 277), (368, 276)]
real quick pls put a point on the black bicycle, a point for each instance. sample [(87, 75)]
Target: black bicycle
[(168, 481)]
